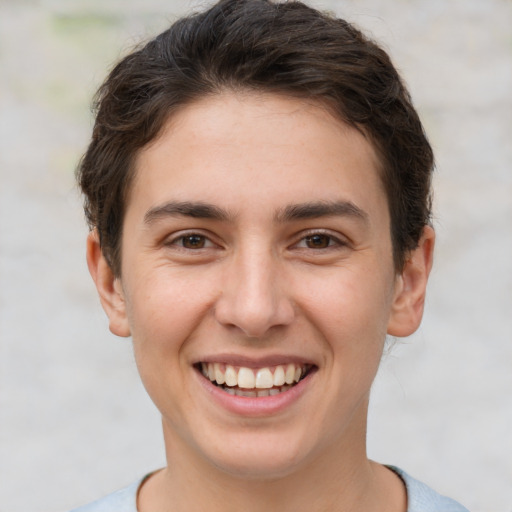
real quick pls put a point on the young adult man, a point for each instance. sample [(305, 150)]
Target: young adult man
[(258, 190)]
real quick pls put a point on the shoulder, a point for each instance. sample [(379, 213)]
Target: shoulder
[(124, 500), (421, 498)]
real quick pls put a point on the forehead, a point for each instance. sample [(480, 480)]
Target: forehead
[(234, 148)]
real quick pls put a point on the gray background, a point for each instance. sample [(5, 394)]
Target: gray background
[(74, 421)]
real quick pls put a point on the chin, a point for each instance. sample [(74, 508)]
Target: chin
[(259, 459)]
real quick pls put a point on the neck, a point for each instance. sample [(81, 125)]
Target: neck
[(338, 479)]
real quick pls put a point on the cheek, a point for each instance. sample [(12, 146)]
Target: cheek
[(164, 310), (351, 309), (164, 314)]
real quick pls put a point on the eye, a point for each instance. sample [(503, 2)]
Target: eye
[(192, 241), (319, 241)]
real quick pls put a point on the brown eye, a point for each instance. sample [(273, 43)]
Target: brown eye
[(193, 241), (318, 241)]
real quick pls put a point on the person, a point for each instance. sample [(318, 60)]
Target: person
[(258, 187)]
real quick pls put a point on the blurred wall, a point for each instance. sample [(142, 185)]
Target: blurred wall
[(74, 421)]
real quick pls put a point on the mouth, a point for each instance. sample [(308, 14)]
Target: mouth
[(254, 382)]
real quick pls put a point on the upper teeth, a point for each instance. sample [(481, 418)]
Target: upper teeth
[(249, 378)]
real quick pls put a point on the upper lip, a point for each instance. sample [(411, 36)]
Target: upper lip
[(255, 362)]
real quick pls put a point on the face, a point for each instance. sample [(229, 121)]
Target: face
[(257, 283)]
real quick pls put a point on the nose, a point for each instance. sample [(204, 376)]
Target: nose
[(254, 298)]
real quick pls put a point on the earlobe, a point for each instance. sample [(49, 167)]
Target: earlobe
[(409, 300), (108, 286)]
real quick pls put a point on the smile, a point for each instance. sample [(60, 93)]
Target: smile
[(254, 382)]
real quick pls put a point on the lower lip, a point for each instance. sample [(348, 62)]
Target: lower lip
[(255, 406)]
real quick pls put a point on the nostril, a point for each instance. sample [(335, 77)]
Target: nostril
[(254, 316)]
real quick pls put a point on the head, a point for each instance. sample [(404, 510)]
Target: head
[(257, 46), (258, 184)]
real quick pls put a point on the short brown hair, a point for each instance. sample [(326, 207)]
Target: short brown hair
[(265, 46)]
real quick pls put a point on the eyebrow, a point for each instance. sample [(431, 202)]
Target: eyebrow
[(198, 210), (316, 209), (292, 212)]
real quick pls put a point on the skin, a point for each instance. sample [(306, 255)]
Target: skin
[(251, 283)]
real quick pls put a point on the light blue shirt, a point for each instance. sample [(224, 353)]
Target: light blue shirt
[(420, 498)]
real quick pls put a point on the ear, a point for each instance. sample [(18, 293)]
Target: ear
[(411, 284), (108, 286)]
